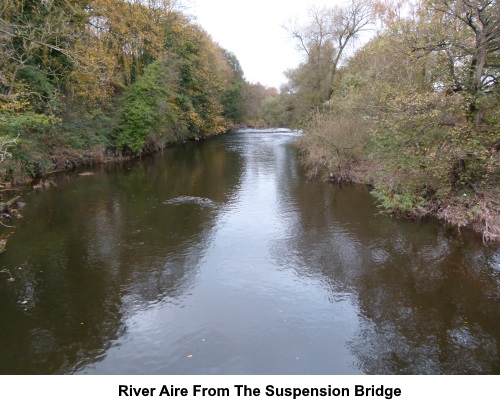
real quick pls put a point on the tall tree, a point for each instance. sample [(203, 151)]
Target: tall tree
[(234, 93), (326, 36), (475, 43)]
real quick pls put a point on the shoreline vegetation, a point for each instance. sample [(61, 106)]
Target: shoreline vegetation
[(413, 111), (92, 81)]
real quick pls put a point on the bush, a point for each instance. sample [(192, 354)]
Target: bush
[(149, 111), (334, 142)]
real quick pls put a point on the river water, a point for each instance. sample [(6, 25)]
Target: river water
[(219, 257)]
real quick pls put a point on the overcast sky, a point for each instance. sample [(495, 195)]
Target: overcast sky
[(252, 30)]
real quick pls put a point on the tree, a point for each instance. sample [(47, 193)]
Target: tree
[(474, 41), (416, 113), (36, 51), (234, 94), (324, 41), (150, 116)]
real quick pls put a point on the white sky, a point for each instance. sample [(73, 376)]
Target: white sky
[(252, 30)]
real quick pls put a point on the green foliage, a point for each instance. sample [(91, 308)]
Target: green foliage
[(38, 89), (233, 102), (148, 109), (274, 111), (82, 79), (427, 137), (407, 203), (14, 125), (23, 139)]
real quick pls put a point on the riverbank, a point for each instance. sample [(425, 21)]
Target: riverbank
[(32, 162), (17, 182), (476, 210)]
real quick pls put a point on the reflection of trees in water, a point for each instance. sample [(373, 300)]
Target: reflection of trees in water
[(58, 313), (427, 303), (97, 249), (428, 316)]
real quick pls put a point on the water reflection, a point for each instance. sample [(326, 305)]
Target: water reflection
[(96, 250), (278, 276), (428, 303)]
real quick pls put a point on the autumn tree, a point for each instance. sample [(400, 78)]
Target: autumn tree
[(472, 41), (192, 91), (415, 113), (254, 96), (37, 51), (84, 78), (324, 41)]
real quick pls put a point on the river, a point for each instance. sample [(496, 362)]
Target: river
[(220, 257)]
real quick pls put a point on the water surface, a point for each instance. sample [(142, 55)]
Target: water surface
[(219, 257)]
